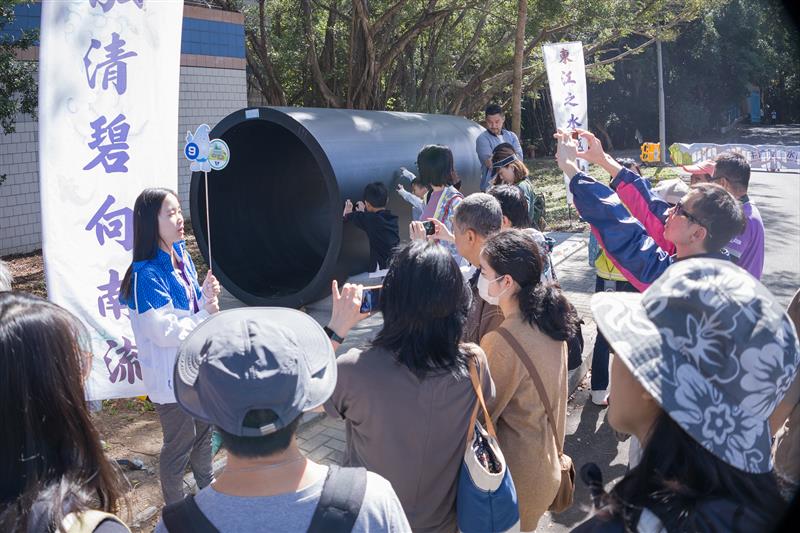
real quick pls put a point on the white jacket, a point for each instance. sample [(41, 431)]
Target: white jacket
[(162, 315)]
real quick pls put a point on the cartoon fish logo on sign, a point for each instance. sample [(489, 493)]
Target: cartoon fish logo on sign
[(199, 144)]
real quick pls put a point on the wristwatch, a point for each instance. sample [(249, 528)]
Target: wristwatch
[(332, 335)]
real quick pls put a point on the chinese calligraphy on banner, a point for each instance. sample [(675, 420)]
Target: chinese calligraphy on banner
[(566, 74), (108, 117)]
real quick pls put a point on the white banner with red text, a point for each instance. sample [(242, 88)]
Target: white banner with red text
[(566, 75)]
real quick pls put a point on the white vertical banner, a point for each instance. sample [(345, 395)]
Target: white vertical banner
[(108, 117), (566, 75)]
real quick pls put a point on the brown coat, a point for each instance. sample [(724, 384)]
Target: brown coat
[(409, 430), (522, 427), (482, 317)]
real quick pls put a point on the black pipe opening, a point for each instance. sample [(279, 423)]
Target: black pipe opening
[(271, 224), (277, 233)]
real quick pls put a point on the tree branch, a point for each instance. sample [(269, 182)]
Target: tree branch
[(311, 53)]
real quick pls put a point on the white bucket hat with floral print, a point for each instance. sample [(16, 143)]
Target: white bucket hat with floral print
[(713, 347)]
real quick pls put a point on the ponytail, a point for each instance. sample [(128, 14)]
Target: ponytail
[(545, 306)]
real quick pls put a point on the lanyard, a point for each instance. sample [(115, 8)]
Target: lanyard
[(187, 286)]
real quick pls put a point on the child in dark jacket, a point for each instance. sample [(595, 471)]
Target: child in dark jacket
[(377, 221)]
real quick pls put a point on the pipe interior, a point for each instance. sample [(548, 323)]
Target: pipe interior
[(270, 209)]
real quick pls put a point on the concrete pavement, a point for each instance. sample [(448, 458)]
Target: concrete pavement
[(777, 195)]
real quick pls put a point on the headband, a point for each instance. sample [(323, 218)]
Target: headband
[(504, 162)]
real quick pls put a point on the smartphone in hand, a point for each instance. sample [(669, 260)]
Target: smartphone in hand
[(371, 299), (430, 227)]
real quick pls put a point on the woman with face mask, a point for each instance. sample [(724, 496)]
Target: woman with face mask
[(538, 320)]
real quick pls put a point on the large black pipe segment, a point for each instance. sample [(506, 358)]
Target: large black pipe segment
[(276, 210)]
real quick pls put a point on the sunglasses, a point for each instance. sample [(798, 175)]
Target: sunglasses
[(680, 210)]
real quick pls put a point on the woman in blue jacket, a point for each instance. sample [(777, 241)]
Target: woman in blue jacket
[(167, 303)]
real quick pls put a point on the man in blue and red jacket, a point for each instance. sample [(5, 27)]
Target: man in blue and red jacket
[(640, 233)]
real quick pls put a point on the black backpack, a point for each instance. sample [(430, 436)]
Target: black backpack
[(336, 512)]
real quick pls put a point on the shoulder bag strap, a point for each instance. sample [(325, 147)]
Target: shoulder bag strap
[(340, 501), (476, 384), (537, 380), (186, 517)]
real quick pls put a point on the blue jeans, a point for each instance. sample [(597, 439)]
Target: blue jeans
[(601, 348)]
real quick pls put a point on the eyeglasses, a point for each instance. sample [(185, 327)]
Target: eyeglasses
[(680, 210)]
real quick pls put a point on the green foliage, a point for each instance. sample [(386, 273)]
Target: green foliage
[(709, 69), (18, 87), (450, 56)]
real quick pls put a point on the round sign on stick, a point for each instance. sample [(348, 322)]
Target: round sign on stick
[(191, 151), (218, 154)]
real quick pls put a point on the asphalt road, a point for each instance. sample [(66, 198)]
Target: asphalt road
[(777, 196)]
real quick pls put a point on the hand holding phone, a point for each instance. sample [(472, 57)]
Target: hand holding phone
[(430, 227), (371, 299)]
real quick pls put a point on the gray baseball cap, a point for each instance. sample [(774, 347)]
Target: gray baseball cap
[(254, 358)]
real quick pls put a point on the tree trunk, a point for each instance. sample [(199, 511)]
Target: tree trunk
[(311, 57), (608, 146), (519, 54)]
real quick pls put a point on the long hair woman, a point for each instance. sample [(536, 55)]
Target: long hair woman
[(539, 318), (689, 379), (52, 467), (166, 303), (407, 398), (509, 170), (437, 172)]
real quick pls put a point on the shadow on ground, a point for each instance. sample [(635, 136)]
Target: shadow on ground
[(590, 439)]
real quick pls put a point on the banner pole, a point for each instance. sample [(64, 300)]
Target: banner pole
[(208, 223)]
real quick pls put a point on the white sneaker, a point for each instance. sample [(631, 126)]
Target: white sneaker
[(600, 397)]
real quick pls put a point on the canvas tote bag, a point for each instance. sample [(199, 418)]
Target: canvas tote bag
[(486, 501)]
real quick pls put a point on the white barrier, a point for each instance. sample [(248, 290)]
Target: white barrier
[(767, 157)]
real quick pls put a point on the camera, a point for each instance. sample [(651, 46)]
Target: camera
[(430, 227), (371, 299)]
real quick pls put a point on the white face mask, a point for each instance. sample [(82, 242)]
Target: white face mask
[(483, 290)]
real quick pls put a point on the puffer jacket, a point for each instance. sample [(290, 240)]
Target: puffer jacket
[(623, 230), (625, 240)]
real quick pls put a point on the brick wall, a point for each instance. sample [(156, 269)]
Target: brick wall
[(20, 220), (206, 96)]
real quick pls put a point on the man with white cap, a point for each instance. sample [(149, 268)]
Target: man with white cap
[(252, 373)]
